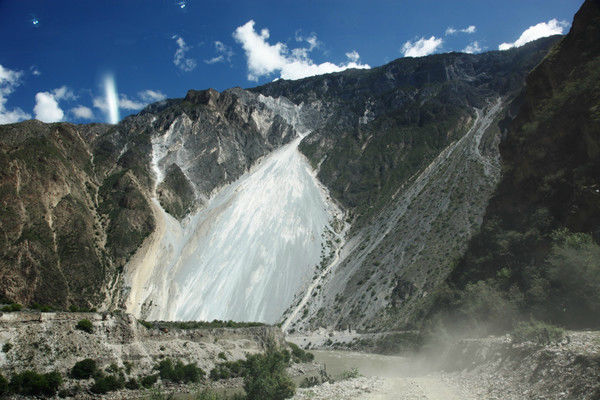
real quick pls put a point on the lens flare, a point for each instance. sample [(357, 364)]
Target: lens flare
[(112, 101)]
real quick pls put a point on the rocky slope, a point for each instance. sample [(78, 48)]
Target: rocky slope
[(495, 368), (49, 341), (416, 177), (77, 199), (537, 252)]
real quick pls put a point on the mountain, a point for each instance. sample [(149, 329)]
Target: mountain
[(77, 199), (347, 199), (537, 252)]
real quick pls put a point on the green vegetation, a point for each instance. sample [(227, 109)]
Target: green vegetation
[(300, 355), (537, 332), (84, 369), (563, 287), (41, 308), (266, 377), (3, 386), (228, 369), (85, 325), (208, 394), (401, 342), (107, 383), (205, 394), (198, 324), (30, 383), (6, 347), (13, 307), (538, 249), (264, 374), (132, 384), (349, 374), (179, 372), (176, 193), (149, 380)]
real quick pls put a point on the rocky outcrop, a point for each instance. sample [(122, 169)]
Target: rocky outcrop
[(49, 341), (411, 149), (551, 183), (77, 199), (495, 368)]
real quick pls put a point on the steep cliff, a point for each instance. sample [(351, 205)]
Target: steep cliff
[(77, 199), (537, 252), (410, 150)]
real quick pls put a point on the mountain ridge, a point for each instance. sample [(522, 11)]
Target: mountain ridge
[(181, 151)]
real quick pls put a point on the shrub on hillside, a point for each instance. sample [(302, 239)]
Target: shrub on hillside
[(299, 354), (574, 275), (132, 384), (401, 342), (108, 383), (208, 394), (3, 386), (179, 372), (85, 325), (266, 377), (84, 369), (149, 380), (349, 374), (536, 332), (13, 307), (228, 369), (30, 383), (486, 307)]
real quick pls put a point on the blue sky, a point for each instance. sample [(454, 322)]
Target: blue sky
[(58, 68)]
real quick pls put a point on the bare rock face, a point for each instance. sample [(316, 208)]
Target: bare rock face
[(176, 193), (76, 199)]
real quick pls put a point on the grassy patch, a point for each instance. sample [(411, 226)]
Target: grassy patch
[(537, 332)]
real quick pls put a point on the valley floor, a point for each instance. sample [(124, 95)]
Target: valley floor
[(431, 387), (472, 369)]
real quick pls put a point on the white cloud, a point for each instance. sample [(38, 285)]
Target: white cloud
[(9, 80), (543, 29), (179, 59), (421, 47), (311, 39), (224, 53), (263, 58), (144, 98), (34, 70), (46, 108), (63, 93), (82, 112), (472, 47), (353, 56), (469, 29), (128, 104), (152, 95)]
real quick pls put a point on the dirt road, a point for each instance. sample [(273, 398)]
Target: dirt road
[(383, 378), (430, 387)]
